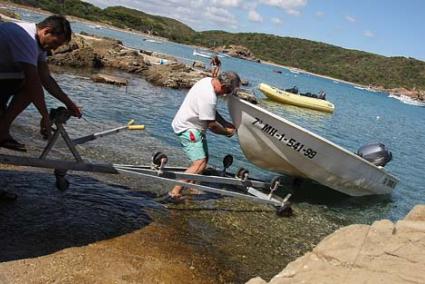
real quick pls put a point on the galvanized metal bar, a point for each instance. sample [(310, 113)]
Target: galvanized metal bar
[(272, 201), (50, 144), (149, 167), (69, 143), (196, 177), (57, 164), (94, 136)]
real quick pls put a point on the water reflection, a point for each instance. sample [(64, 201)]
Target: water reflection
[(44, 220)]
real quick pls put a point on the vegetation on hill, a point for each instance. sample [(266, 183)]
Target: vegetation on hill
[(321, 58)]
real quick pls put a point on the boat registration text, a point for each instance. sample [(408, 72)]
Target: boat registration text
[(288, 141)]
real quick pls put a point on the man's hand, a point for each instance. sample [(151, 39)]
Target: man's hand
[(228, 124), (74, 110), (46, 128), (231, 131)]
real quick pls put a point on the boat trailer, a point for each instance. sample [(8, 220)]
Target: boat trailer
[(248, 189)]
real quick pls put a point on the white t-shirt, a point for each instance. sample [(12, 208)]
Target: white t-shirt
[(198, 107), (18, 44)]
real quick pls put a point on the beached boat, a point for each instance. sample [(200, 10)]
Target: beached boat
[(202, 54), (295, 99), (276, 144)]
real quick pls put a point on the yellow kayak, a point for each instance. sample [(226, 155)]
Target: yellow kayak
[(284, 97)]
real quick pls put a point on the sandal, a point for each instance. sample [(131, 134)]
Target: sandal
[(12, 144), (169, 199)]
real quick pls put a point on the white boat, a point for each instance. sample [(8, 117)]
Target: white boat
[(152, 41), (369, 89), (202, 54), (294, 70), (276, 144)]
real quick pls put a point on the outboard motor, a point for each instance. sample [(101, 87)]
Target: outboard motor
[(376, 153), (293, 90)]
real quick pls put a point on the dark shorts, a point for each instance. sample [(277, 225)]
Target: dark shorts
[(8, 88)]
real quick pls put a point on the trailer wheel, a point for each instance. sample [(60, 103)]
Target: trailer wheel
[(157, 157), (241, 173), (284, 211)]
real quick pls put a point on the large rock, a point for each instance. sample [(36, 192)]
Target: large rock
[(175, 75), (109, 79), (418, 95), (238, 51), (159, 69), (381, 253)]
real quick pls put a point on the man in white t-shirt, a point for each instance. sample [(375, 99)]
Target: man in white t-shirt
[(24, 72), (197, 114)]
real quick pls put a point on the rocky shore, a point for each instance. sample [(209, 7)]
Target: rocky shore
[(87, 51), (384, 252), (237, 51)]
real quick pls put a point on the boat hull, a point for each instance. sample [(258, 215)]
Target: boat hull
[(278, 95), (278, 145), (197, 53)]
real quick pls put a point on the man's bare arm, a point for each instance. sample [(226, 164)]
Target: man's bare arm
[(222, 121), (50, 84), (217, 128), (33, 88)]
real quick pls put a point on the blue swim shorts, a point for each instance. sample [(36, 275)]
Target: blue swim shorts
[(194, 144)]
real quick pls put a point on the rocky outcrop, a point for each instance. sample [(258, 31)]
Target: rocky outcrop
[(109, 79), (238, 51), (90, 51), (175, 75), (248, 96), (383, 252), (418, 95), (8, 15)]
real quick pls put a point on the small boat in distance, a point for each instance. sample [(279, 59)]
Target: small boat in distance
[(276, 144), (369, 88), (202, 54), (277, 71), (152, 40), (292, 97), (294, 70)]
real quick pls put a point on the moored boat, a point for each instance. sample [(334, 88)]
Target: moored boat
[(276, 144), (296, 99), (202, 54)]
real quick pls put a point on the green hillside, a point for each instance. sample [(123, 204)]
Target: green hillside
[(321, 58), (325, 59)]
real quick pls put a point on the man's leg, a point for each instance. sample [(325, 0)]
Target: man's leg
[(19, 102), (195, 146), (4, 99), (197, 167), (8, 87)]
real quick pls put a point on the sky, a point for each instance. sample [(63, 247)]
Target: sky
[(385, 27)]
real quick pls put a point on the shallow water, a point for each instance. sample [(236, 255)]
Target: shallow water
[(248, 238)]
